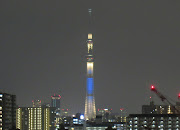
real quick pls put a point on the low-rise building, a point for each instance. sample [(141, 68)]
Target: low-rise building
[(95, 126), (153, 121)]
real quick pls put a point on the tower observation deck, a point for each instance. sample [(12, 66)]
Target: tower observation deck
[(90, 109)]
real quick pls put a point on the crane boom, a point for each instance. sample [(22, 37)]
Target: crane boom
[(163, 98)]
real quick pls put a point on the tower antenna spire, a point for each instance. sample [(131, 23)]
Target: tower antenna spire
[(90, 20)]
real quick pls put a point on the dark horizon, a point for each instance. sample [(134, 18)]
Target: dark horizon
[(43, 45)]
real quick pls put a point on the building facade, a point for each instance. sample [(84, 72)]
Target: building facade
[(153, 122), (104, 114), (95, 126), (7, 111), (22, 117), (35, 118), (90, 109)]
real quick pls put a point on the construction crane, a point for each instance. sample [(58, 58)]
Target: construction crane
[(163, 98)]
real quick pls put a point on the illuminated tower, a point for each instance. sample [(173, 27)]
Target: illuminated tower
[(90, 109)]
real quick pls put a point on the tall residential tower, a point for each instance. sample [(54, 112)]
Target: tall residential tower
[(56, 103), (7, 111), (90, 109)]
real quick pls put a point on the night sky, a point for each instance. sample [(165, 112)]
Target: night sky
[(43, 43)]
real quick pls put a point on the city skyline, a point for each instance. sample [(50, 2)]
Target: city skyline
[(43, 44)]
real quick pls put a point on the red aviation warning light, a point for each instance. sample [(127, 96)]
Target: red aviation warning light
[(152, 87), (179, 96), (121, 109)]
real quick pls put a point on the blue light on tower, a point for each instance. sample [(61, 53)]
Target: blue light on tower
[(90, 71), (90, 85)]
